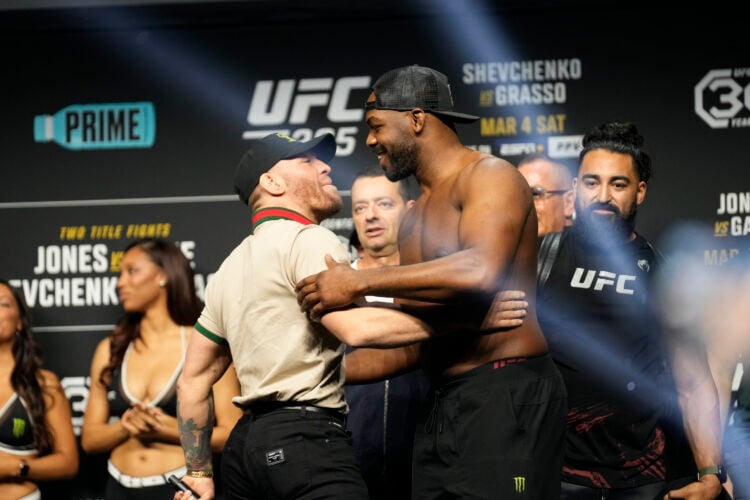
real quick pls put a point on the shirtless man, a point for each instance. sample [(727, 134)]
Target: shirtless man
[(471, 233)]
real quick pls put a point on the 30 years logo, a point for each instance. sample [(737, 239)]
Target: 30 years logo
[(722, 98)]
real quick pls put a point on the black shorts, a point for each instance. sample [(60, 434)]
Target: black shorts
[(497, 431)]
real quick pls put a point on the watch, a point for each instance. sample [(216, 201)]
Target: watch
[(717, 470), (23, 471)]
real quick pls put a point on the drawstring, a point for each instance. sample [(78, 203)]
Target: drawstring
[(435, 413)]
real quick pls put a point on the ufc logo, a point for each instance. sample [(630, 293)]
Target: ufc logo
[(290, 101), (600, 279)]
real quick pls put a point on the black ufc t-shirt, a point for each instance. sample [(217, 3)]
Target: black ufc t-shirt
[(596, 313)]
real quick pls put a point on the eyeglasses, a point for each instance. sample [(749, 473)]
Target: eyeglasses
[(538, 192)]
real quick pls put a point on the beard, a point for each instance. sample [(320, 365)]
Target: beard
[(403, 158), (330, 208), (605, 230), (323, 203)]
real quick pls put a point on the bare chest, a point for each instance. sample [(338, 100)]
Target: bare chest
[(429, 230), (148, 371)]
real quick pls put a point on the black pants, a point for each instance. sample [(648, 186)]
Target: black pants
[(290, 455), (497, 431)]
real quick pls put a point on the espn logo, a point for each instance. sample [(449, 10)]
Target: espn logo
[(518, 148)]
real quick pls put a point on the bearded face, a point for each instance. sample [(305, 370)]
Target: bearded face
[(390, 138), (605, 221), (403, 160), (607, 194), (308, 181)]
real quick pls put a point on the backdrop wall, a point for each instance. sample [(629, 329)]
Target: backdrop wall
[(122, 123)]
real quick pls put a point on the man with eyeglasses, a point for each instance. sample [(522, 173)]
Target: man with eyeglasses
[(550, 183)]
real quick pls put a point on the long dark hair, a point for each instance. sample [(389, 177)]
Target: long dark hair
[(26, 378), (183, 303)]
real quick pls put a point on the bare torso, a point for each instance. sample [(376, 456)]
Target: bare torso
[(432, 229), (150, 369)]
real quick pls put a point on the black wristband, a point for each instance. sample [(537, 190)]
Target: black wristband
[(23, 470)]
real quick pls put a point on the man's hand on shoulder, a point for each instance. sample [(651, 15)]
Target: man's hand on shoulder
[(332, 289)]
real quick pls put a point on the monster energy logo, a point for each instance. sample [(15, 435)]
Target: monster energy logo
[(19, 426), (520, 484)]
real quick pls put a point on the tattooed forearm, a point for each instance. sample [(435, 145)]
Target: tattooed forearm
[(195, 435)]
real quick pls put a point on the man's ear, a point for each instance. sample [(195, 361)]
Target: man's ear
[(417, 118), (641, 193), (568, 204), (274, 184)]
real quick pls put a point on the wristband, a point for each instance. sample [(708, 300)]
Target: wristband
[(23, 470), (717, 470), (200, 473)]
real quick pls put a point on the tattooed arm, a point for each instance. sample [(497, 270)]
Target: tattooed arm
[(206, 362)]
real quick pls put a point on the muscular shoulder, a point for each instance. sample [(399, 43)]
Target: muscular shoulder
[(489, 173)]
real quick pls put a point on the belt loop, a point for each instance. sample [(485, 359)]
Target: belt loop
[(303, 411)]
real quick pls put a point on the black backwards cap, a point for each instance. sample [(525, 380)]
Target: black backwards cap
[(266, 152), (409, 87)]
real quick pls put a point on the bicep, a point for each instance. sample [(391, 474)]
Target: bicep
[(496, 203), (206, 361), (689, 360)]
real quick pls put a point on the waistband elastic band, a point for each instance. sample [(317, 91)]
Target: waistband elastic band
[(502, 363), (34, 495), (143, 482)]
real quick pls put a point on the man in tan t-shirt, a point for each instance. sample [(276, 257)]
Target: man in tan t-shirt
[(292, 440)]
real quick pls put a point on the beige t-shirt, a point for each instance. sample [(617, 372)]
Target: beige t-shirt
[(251, 304)]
